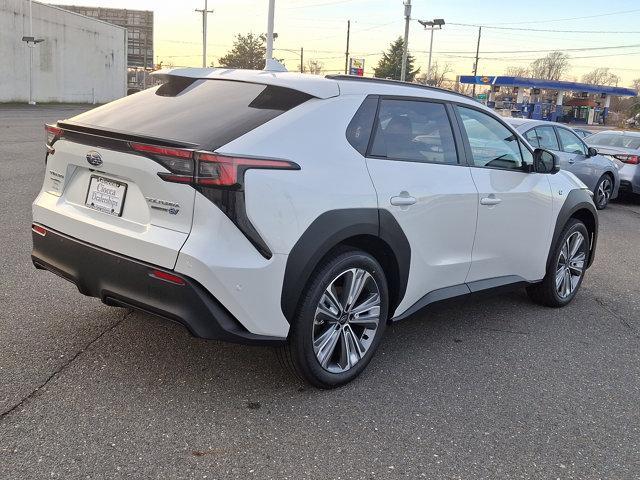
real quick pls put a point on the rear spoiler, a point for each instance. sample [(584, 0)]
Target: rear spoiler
[(314, 85)]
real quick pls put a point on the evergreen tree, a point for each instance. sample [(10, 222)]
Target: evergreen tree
[(390, 65), (248, 52)]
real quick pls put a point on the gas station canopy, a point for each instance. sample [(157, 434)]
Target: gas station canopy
[(504, 81)]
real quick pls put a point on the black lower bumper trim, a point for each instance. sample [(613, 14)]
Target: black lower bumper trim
[(122, 281)]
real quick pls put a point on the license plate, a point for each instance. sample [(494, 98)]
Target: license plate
[(106, 195)]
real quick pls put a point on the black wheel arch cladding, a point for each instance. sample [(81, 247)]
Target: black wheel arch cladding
[(331, 229), (578, 204)]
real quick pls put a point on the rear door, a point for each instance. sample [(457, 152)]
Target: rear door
[(102, 184), (514, 207), (423, 182)]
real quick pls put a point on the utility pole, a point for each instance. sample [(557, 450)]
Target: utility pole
[(301, 59), (407, 19), (346, 53), (475, 65), (204, 32)]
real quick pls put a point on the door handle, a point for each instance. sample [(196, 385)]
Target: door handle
[(403, 200), (490, 200)]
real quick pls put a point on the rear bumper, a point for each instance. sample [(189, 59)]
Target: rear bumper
[(122, 281)]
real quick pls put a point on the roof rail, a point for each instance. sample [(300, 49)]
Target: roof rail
[(388, 81)]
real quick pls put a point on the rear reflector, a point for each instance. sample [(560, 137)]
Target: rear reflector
[(631, 159), (39, 229), (167, 277)]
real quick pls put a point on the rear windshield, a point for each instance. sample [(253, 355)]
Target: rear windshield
[(203, 112), (612, 140)]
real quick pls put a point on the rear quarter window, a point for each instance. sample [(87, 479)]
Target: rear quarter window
[(204, 112)]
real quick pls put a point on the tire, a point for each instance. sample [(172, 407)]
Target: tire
[(603, 191), (331, 343), (560, 284)]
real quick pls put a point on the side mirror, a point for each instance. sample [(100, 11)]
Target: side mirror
[(544, 161), (591, 152)]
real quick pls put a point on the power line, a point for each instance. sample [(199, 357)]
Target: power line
[(545, 30), (583, 49), (620, 12)]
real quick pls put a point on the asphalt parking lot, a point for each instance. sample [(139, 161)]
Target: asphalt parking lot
[(490, 388)]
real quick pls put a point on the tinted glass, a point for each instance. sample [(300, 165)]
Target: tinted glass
[(415, 131), (570, 142), (613, 140), (359, 129), (207, 113), (492, 144), (547, 138), (531, 137)]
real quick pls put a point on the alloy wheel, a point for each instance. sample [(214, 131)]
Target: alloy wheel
[(346, 320), (570, 266), (603, 192)]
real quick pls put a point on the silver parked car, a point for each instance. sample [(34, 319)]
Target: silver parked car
[(624, 147), (598, 172)]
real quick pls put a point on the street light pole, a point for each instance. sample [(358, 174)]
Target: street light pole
[(431, 24), (31, 42), (430, 51), (407, 19), (271, 14), (30, 45)]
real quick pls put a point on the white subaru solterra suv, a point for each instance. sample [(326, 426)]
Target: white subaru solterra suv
[(304, 212)]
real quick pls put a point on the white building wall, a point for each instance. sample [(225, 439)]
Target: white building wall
[(81, 59)]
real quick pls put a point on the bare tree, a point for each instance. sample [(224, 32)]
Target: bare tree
[(552, 67), (517, 72), (601, 76), (636, 84), (314, 66), (438, 75)]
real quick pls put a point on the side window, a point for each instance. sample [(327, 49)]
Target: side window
[(527, 156), (532, 137), (359, 129), (570, 142), (414, 130), (492, 144), (547, 138)]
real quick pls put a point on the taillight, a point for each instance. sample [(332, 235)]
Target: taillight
[(52, 133), (227, 171), (178, 161), (206, 168), (631, 159)]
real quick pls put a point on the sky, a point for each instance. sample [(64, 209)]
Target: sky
[(594, 33)]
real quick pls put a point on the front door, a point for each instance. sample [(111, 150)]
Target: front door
[(419, 178), (514, 206), (574, 156)]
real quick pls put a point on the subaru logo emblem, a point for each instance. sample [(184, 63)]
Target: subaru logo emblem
[(94, 158)]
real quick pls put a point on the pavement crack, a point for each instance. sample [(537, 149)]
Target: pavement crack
[(502, 330), (623, 321), (64, 365)]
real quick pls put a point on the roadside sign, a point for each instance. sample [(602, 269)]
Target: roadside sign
[(481, 96), (356, 66)]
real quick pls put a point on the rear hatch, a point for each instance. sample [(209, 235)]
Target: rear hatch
[(101, 188)]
